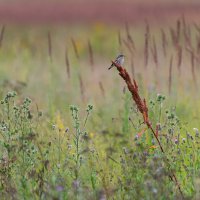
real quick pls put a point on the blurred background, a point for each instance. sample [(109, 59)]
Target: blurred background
[(65, 47), (78, 11)]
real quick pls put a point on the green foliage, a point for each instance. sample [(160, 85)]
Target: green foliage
[(66, 152), (76, 159)]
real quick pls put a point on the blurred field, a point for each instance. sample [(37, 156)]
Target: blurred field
[(90, 11), (79, 135)]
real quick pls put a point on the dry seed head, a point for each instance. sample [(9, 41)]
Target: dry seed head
[(91, 54), (49, 45), (67, 63), (2, 34), (75, 48)]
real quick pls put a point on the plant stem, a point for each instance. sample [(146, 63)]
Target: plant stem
[(142, 107), (86, 119)]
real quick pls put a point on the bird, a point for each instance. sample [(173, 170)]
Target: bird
[(119, 60)]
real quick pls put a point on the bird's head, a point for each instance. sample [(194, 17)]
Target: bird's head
[(121, 56)]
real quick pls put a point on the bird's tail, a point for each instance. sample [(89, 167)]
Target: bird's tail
[(111, 67)]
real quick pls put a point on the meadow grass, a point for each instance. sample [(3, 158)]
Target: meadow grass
[(69, 128)]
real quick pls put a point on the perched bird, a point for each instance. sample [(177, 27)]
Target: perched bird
[(119, 60)]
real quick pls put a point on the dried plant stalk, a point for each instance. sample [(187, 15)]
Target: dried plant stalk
[(146, 45), (184, 28), (164, 42), (178, 30), (142, 107), (170, 75), (197, 57), (198, 45), (154, 53), (2, 34), (183, 23), (129, 38), (102, 88), (179, 58), (67, 63), (197, 27), (191, 50), (173, 36), (49, 46), (192, 60), (188, 41), (128, 46), (91, 55), (82, 88), (75, 48), (120, 41), (189, 31), (193, 68), (187, 34)]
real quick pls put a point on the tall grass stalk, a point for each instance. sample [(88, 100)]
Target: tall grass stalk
[(49, 45), (2, 35), (142, 107), (67, 63)]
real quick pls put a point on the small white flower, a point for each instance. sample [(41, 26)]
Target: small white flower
[(53, 126), (183, 139), (196, 131), (154, 190)]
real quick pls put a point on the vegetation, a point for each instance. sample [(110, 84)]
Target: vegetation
[(71, 129)]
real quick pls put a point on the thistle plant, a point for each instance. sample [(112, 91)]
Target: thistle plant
[(160, 99), (17, 136), (78, 135)]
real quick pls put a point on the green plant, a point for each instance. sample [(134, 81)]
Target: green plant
[(78, 136), (18, 150)]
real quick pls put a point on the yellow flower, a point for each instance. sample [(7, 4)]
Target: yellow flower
[(91, 135), (59, 122), (153, 147)]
